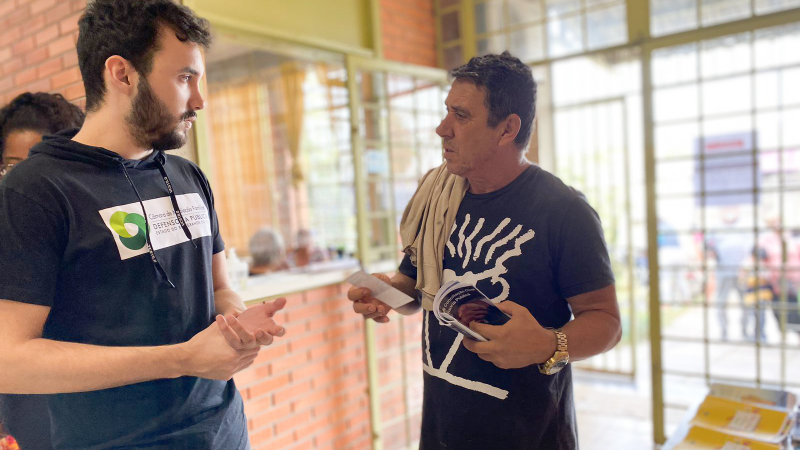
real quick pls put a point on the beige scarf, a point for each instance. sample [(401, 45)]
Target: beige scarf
[(425, 227)]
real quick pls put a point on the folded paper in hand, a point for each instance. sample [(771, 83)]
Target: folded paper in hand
[(384, 292)]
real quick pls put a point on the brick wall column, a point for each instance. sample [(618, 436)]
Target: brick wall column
[(37, 48)]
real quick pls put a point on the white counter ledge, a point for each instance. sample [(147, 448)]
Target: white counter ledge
[(276, 284)]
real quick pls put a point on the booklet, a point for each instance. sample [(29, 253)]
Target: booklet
[(774, 398), (700, 438), (743, 420), (456, 304)]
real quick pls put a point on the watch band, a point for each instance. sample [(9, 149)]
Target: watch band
[(561, 338), (560, 357)]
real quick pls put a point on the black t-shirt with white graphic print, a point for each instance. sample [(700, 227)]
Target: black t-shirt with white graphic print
[(535, 242), (74, 240)]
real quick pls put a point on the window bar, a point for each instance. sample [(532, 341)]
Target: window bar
[(756, 202), (702, 171), (781, 189), (629, 240)]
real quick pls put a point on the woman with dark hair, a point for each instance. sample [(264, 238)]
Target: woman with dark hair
[(23, 122), (27, 118)]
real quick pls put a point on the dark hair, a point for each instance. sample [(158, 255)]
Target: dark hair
[(130, 29), (509, 87), (40, 112)]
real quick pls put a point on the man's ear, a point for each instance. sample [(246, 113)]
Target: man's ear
[(120, 76), (510, 129)]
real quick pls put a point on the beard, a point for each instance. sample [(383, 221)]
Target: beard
[(150, 123)]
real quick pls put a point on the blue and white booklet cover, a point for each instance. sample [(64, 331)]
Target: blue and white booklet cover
[(457, 304)]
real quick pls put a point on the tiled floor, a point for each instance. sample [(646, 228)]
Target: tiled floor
[(612, 414)]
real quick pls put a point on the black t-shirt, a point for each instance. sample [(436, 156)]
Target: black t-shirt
[(535, 242), (73, 240)]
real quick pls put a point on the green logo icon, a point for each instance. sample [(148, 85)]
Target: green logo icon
[(133, 242)]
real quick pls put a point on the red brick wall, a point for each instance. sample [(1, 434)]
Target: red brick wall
[(408, 31), (400, 352), (37, 48), (309, 389)]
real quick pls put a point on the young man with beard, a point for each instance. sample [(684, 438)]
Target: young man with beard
[(534, 246), (113, 282)]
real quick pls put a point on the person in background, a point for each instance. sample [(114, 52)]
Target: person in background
[(306, 251), (27, 118), (267, 251), (23, 122), (780, 270), (731, 250)]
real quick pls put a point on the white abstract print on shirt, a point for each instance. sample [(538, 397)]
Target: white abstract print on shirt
[(495, 250)]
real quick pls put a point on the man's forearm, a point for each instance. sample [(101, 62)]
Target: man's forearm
[(43, 366), (592, 333), (405, 284)]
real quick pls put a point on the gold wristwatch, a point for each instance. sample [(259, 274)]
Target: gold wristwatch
[(559, 359)]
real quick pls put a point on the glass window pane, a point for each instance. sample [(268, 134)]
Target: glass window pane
[(427, 96), (401, 91), (607, 27), (732, 361), (767, 130), (565, 35), (675, 177), (717, 202), (674, 65), (676, 140), (791, 132), (426, 129), (489, 17), (726, 126), (402, 127), (404, 163), (377, 162), (790, 87), (682, 212), (381, 231), (453, 57), (593, 3), (769, 6), (450, 27), (785, 163), (373, 122), (675, 103), (403, 191), (528, 44), (774, 359), (493, 45), (731, 54), (524, 11), (672, 16), (372, 87), (730, 173), (767, 86), (254, 183), (777, 46), (727, 96), (721, 11), (559, 7)]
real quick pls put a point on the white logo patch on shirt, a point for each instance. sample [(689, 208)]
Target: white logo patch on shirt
[(127, 225)]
